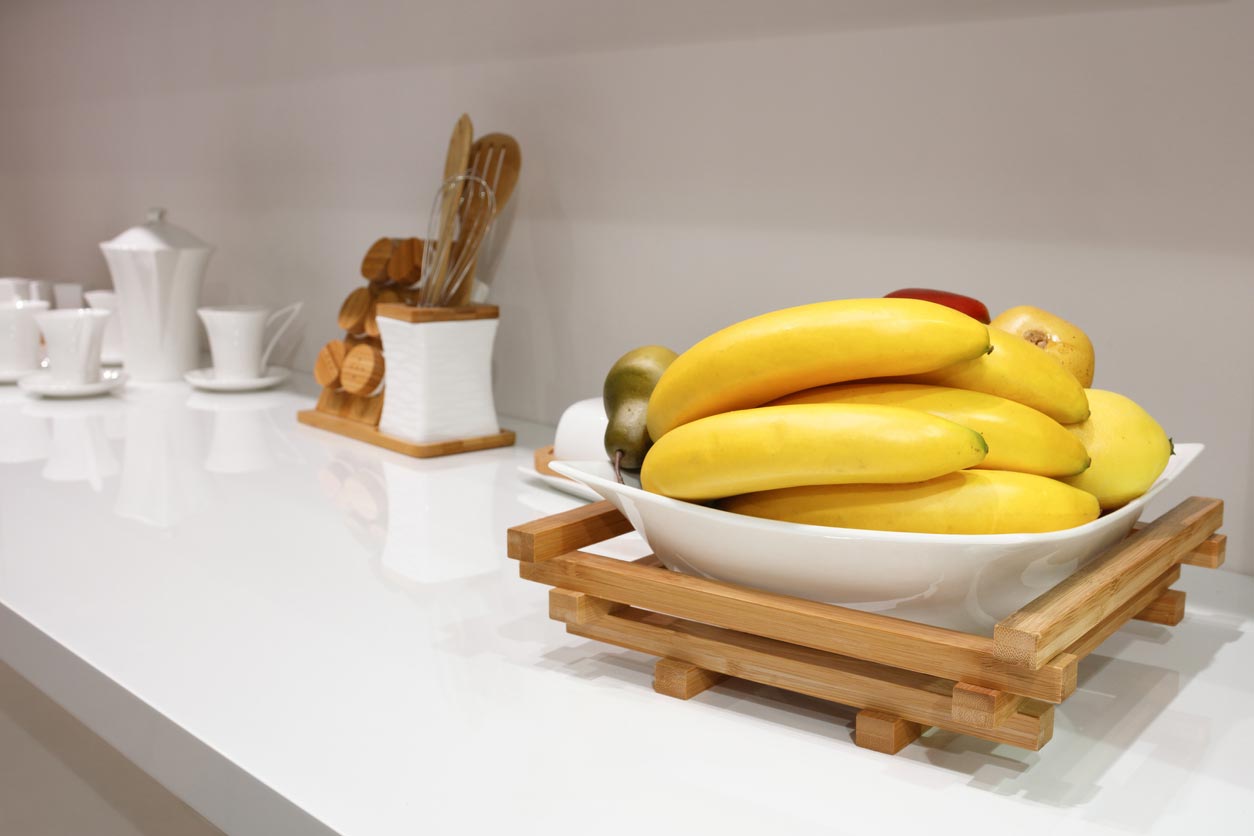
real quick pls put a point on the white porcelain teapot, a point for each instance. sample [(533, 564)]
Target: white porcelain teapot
[(157, 271)]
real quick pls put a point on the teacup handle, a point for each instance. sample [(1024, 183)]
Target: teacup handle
[(291, 312)]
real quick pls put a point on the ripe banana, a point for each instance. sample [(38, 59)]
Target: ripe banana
[(1019, 438), (967, 502), (760, 359), (1128, 446), (1017, 370), (805, 444)]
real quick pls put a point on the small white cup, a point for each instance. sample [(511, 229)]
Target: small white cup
[(41, 290), (19, 335), (73, 339), (107, 300), (67, 295), (13, 290), (237, 334)]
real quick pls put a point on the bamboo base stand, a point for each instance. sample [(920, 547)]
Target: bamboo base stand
[(371, 435), (904, 676)]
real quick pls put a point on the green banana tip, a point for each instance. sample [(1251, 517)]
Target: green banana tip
[(990, 349)]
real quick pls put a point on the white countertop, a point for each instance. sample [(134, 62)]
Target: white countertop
[(297, 632)]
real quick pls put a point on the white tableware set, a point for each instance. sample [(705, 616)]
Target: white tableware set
[(237, 340), (147, 323), (73, 338)]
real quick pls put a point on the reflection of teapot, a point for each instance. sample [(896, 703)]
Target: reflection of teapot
[(157, 270), (162, 482)]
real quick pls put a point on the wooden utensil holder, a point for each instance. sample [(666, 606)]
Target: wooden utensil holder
[(902, 676), (413, 387)]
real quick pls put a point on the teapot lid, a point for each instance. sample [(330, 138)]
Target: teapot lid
[(157, 234)]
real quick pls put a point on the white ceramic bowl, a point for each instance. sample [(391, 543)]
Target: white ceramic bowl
[(965, 582)]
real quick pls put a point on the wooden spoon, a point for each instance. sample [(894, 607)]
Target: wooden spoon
[(456, 162)]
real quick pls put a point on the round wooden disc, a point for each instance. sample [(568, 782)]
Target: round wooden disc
[(354, 310), (405, 266), (375, 264), (361, 339), (327, 365), (362, 371), (371, 325)]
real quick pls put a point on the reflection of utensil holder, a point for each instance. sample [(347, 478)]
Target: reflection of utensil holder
[(438, 396)]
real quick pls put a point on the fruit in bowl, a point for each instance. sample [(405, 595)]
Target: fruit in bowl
[(874, 453), (973, 308), (1057, 337), (1129, 449), (858, 392)]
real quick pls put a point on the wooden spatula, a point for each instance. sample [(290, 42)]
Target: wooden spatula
[(456, 162), (497, 159)]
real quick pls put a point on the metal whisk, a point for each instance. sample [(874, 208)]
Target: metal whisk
[(460, 224)]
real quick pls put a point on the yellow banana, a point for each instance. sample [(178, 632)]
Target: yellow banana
[(805, 444), (1018, 437), (967, 502), (760, 359), (1018, 370), (1128, 446)]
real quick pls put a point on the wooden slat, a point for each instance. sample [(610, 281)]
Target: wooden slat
[(682, 680), (408, 313), (548, 537), (1209, 555), (915, 697), (881, 732), (1048, 625), (577, 607), (1111, 624), (983, 707), (1167, 608), (915, 647)]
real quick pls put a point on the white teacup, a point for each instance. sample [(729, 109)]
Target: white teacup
[(13, 290), (67, 295), (73, 340), (19, 335), (237, 336), (41, 289), (107, 300)]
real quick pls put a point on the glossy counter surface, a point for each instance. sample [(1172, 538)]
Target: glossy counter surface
[(296, 632)]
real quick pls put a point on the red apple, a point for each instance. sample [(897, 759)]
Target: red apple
[(973, 308)]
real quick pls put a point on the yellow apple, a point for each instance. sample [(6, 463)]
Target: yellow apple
[(1061, 340), (1127, 446)]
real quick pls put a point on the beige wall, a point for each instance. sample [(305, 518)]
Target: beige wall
[(686, 164)]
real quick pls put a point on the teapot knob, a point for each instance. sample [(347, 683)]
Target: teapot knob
[(156, 215)]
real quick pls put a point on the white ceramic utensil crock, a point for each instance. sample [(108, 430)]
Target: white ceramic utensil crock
[(157, 271)]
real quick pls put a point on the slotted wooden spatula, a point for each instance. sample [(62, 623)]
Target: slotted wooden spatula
[(497, 159), (457, 162)]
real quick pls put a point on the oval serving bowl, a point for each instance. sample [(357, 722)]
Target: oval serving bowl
[(963, 582)]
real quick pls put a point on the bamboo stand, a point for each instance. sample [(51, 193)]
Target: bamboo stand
[(903, 676)]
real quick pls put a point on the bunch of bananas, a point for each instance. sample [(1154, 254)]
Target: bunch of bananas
[(893, 414)]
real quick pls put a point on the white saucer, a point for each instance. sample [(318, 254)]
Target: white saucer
[(567, 486), (42, 384), (204, 379), (7, 376)]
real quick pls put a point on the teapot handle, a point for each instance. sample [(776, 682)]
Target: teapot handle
[(291, 312)]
